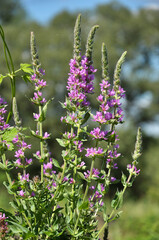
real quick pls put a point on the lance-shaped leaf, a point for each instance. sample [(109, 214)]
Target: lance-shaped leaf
[(86, 117), (44, 111), (118, 200), (77, 39), (89, 44), (105, 69), (25, 67)]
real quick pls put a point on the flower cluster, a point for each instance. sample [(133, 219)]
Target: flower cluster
[(133, 169), (98, 134), (3, 225), (80, 81), (109, 100), (93, 151), (95, 173), (39, 84), (96, 198), (21, 160), (3, 105)]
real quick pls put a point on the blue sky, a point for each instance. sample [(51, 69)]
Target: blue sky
[(43, 10)]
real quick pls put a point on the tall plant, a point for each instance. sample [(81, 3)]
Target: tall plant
[(64, 202)]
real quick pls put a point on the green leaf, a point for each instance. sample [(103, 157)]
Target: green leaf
[(25, 67), (44, 111), (33, 133), (116, 216), (2, 166), (10, 134), (56, 164), (29, 235), (14, 205), (81, 175), (118, 200), (26, 77), (123, 179), (84, 205), (8, 188), (70, 230), (62, 142), (86, 117), (32, 206), (16, 228)]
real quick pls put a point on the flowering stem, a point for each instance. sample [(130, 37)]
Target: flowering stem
[(62, 176), (74, 172), (10, 183), (112, 213), (41, 143), (8, 176), (87, 187)]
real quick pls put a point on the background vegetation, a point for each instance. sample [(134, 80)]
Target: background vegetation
[(121, 30)]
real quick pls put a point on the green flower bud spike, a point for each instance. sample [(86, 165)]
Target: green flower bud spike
[(77, 39), (138, 145), (105, 71), (118, 70), (89, 44), (34, 54), (16, 113)]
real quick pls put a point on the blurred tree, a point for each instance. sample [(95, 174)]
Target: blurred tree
[(9, 10)]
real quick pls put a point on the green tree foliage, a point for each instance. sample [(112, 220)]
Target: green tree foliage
[(9, 10)]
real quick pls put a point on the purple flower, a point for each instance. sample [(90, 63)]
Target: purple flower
[(46, 135), (28, 161), (21, 193), (79, 145), (104, 85), (98, 134), (48, 165), (133, 169), (99, 117), (112, 179), (33, 194), (25, 177), (65, 179), (81, 164), (36, 116), (3, 124), (72, 181), (93, 151), (19, 153), (95, 173), (41, 83), (3, 225)]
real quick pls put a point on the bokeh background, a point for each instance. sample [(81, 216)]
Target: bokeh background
[(124, 25)]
